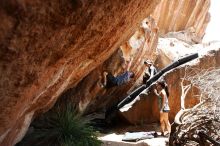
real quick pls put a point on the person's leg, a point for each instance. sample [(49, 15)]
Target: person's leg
[(167, 123), (162, 123), (168, 127), (110, 81)]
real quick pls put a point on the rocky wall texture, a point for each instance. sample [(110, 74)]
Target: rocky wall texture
[(190, 16), (46, 47), (145, 110), (89, 96)]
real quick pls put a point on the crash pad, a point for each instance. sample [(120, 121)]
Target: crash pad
[(136, 136)]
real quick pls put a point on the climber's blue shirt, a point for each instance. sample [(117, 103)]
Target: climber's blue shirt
[(123, 78)]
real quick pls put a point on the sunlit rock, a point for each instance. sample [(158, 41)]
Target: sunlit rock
[(180, 15)]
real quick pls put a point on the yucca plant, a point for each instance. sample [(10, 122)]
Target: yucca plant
[(61, 127)]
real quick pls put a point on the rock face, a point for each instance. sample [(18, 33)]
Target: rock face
[(189, 15), (146, 108), (49, 46), (89, 95)]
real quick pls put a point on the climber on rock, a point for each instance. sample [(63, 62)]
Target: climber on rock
[(149, 72), (162, 92), (111, 81)]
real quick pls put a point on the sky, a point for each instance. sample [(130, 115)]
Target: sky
[(213, 28)]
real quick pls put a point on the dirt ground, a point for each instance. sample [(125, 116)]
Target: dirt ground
[(114, 136)]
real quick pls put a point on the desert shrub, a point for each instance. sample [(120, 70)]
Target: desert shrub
[(61, 127)]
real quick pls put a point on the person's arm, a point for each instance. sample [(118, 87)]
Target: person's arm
[(163, 101), (151, 71), (155, 91), (104, 78), (129, 64)]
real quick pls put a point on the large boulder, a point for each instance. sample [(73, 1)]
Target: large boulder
[(50, 46)]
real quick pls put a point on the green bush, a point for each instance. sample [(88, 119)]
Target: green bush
[(61, 128)]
